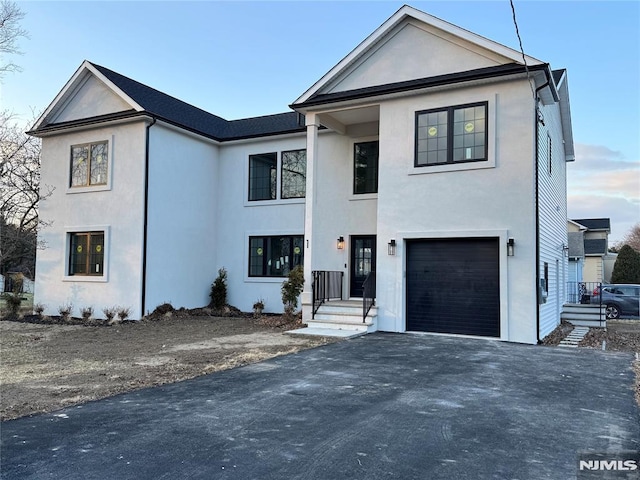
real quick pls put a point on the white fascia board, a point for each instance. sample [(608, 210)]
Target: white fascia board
[(565, 119), (402, 14), (73, 84)]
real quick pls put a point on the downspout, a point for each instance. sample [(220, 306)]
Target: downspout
[(145, 216), (537, 201)]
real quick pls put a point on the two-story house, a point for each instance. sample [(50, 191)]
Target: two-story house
[(426, 169)]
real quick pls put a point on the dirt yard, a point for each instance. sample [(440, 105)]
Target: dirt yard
[(46, 367)]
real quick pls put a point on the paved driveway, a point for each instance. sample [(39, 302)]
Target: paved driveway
[(377, 407)]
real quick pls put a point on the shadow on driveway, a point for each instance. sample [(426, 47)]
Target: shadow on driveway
[(376, 407)]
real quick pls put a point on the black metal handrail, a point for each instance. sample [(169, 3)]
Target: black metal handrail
[(368, 294), (584, 293), (326, 285)]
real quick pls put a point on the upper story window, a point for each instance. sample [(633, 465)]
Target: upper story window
[(89, 164), (365, 167), (263, 176), (86, 253), (294, 174), (451, 135)]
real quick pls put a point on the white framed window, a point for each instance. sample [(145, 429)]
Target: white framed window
[(87, 253)]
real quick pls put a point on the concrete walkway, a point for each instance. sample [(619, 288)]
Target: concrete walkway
[(375, 407)]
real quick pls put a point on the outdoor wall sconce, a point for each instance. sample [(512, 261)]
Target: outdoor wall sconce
[(340, 243), (565, 249), (511, 246), (391, 247)]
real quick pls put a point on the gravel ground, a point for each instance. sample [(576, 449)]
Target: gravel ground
[(45, 367)]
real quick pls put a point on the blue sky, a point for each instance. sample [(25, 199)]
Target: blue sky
[(243, 59)]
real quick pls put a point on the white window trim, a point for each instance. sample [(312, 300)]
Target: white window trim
[(104, 278), (92, 188), (490, 162)]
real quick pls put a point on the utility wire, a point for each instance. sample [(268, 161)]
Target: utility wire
[(524, 59)]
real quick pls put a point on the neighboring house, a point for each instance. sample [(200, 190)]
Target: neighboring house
[(429, 155), (575, 251), (598, 262)]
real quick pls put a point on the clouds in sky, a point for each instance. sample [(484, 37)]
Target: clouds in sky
[(603, 184)]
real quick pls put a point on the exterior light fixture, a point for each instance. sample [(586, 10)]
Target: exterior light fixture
[(511, 246), (340, 242), (391, 247), (565, 249)]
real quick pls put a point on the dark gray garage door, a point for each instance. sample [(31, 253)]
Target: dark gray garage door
[(453, 286)]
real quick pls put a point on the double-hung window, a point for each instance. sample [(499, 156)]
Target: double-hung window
[(89, 164), (365, 167), (275, 256), (86, 253), (451, 135)]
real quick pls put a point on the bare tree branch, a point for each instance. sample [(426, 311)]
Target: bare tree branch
[(10, 33)]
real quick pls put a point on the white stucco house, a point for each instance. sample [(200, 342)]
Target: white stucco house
[(429, 160)]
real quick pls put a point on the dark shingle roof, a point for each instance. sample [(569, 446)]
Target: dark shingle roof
[(594, 223), (192, 118), (596, 246)]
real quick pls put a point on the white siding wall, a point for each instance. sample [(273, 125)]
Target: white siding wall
[(183, 199), (117, 210), (237, 219), (552, 216)]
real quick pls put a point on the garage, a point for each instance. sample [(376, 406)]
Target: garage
[(453, 286)]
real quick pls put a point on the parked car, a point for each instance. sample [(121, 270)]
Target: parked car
[(620, 299)]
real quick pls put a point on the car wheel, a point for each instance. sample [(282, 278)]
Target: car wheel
[(612, 312)]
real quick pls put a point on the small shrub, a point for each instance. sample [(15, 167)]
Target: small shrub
[(38, 309), (65, 310), (258, 307), (163, 309), (13, 300), (109, 313), (123, 313), (219, 290), (627, 266), (86, 312), (291, 290)]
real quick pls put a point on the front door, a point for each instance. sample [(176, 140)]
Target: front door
[(363, 261)]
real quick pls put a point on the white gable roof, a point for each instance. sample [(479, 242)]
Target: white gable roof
[(437, 48)]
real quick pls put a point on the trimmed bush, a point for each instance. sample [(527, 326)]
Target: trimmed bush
[(627, 266), (219, 290)]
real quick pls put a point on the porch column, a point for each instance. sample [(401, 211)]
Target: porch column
[(312, 124)]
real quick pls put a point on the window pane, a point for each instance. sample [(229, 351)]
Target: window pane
[(433, 138), (262, 176), (96, 253), (79, 247), (99, 164), (79, 160), (365, 161), (256, 256), (469, 134), (294, 174)]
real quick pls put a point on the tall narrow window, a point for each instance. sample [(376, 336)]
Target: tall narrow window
[(365, 167), (451, 135), (294, 174), (263, 176), (86, 253), (89, 164), (549, 150)]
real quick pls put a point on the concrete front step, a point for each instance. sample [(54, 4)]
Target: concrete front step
[(344, 315), (326, 332), (584, 315)]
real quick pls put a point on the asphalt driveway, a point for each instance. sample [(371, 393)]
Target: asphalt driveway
[(376, 407)]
